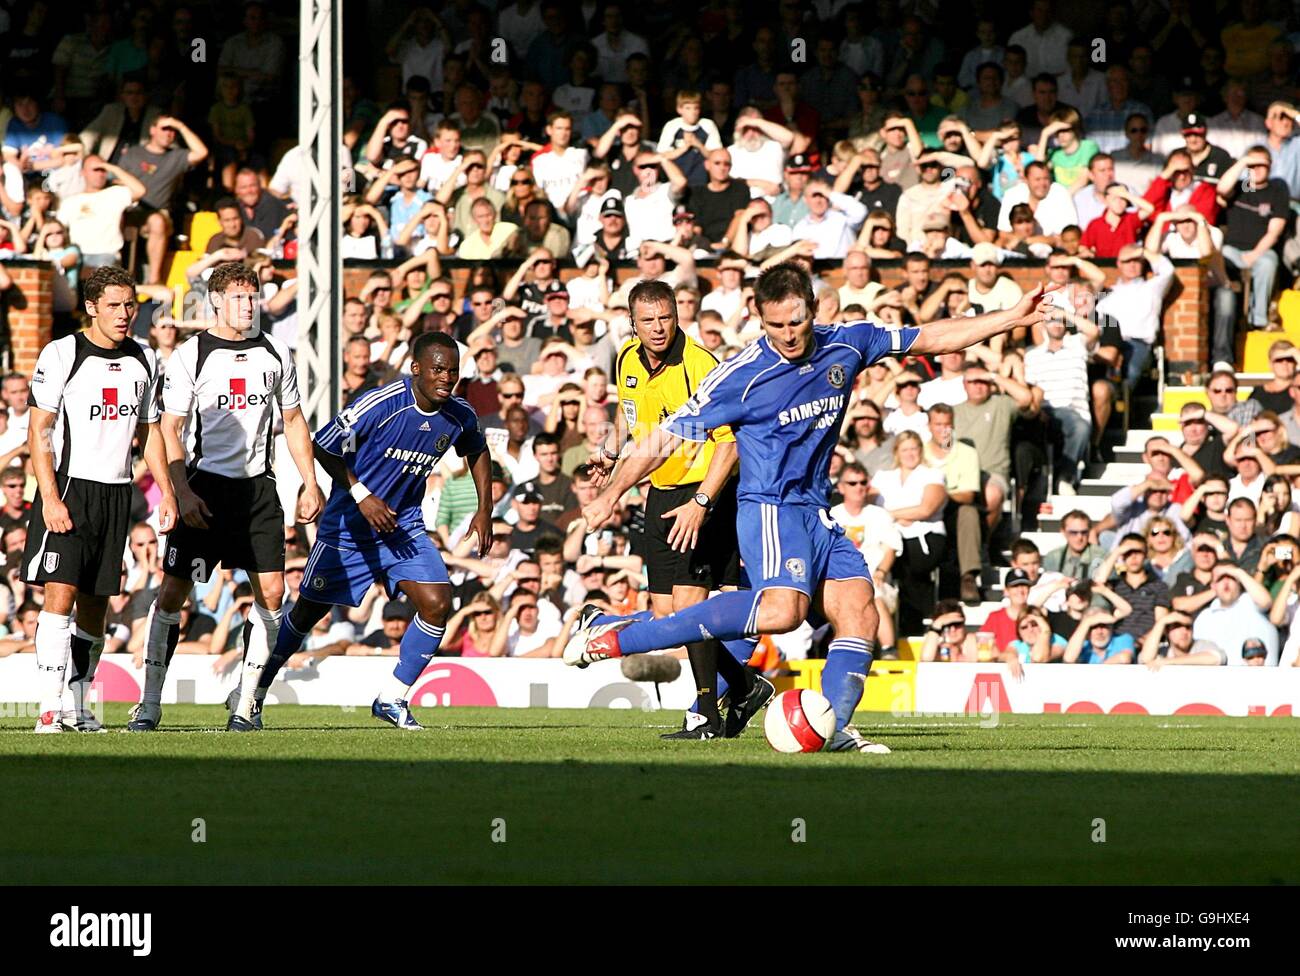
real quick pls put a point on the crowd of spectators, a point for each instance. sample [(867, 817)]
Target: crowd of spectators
[(513, 168)]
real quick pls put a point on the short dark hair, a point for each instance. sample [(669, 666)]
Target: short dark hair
[(940, 408), (227, 203), (782, 281), (651, 292), (1134, 537), (101, 279), (945, 607), (916, 257), (1023, 547), (549, 545), (229, 273), (1075, 514), (546, 438), (1238, 502), (426, 339)]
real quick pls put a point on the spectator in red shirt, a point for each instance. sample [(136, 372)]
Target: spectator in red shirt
[(1001, 623), (792, 111), (1177, 184), (1118, 226)]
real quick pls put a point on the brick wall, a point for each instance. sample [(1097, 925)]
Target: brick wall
[(1186, 318), (29, 308)]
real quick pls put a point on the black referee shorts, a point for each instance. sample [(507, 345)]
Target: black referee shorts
[(245, 530), (715, 560), (90, 556)]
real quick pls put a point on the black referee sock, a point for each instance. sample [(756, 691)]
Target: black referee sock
[(704, 668)]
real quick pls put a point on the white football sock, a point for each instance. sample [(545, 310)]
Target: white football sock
[(262, 634), (53, 651), (394, 690), (75, 698), (157, 630)]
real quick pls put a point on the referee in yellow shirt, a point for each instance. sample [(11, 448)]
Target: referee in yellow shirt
[(690, 512)]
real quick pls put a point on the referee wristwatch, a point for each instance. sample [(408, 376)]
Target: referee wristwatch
[(703, 500), (607, 454)]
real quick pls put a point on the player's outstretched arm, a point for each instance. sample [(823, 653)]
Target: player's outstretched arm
[(954, 335), (40, 449), (155, 455), (480, 469), (645, 456), (298, 436)]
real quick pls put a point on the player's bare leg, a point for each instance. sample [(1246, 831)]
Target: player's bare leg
[(87, 646), (162, 631), (432, 602), (263, 632), (850, 607), (53, 652)]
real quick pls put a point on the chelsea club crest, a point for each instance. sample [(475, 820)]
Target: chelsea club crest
[(835, 376)]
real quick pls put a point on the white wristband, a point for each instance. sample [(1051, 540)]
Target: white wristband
[(359, 492)]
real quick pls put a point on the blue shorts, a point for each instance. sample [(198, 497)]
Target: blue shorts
[(340, 575), (795, 547)]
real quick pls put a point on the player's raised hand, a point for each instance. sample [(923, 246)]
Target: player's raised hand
[(685, 530), (376, 511), (598, 512), (310, 504), (56, 515), (481, 526), (194, 512)]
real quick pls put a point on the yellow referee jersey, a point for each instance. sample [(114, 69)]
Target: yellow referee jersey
[(649, 397)]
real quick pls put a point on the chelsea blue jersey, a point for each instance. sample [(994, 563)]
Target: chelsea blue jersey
[(786, 414), (392, 446)]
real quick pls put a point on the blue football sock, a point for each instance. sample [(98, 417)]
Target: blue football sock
[(845, 674), (418, 646), (609, 618), (288, 642), (724, 616)]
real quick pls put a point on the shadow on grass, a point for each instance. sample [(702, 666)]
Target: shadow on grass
[(108, 820)]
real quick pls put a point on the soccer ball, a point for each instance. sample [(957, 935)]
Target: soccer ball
[(799, 720)]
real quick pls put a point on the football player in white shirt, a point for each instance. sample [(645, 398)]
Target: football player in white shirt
[(558, 167), (95, 392), (220, 398)]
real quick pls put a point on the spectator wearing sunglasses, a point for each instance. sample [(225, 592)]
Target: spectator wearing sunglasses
[(1109, 125), (1171, 642), (1079, 558), (948, 638)]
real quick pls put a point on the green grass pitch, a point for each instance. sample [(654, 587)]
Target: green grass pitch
[(332, 796)]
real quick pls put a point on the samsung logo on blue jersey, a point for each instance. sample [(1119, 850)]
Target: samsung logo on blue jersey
[(814, 408)]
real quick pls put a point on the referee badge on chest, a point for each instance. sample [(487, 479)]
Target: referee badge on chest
[(836, 376)]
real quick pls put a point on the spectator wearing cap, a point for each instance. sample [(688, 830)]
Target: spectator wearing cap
[(1108, 123), (397, 616), (758, 152), (1237, 127), (1259, 208), (832, 221), (1144, 591), (619, 148), (791, 206), (611, 240), (1001, 623), (1119, 226), (529, 525), (1209, 159), (649, 207), (1234, 619)]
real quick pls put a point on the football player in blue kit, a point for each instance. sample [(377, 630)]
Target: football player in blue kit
[(379, 453), (784, 397)]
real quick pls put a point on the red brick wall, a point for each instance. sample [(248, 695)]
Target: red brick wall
[(30, 311), (1186, 320)]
